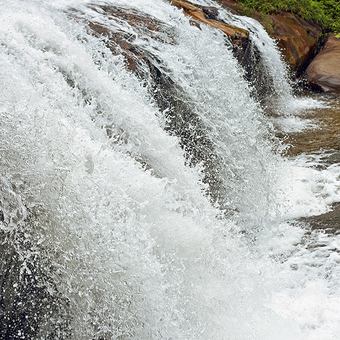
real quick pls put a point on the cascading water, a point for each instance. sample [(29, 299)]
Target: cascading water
[(132, 213)]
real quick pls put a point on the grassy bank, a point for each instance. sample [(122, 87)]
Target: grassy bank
[(324, 12)]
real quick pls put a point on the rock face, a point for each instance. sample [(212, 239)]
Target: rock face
[(244, 50), (297, 38), (182, 121), (208, 15), (324, 71)]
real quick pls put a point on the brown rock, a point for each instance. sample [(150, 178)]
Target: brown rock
[(208, 15), (328, 222), (120, 42), (181, 118), (297, 38), (324, 71)]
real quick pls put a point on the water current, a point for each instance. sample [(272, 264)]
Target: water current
[(135, 206)]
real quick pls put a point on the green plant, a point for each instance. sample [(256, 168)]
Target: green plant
[(324, 12)]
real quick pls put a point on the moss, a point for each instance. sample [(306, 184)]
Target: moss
[(324, 12)]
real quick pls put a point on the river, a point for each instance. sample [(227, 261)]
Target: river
[(149, 193)]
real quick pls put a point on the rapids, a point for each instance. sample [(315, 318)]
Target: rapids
[(131, 209)]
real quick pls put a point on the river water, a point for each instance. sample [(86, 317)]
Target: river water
[(132, 209)]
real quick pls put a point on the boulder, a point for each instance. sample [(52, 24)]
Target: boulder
[(297, 38), (324, 71)]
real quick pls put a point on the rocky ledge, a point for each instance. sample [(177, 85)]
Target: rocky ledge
[(328, 222), (299, 40), (209, 16), (324, 71)]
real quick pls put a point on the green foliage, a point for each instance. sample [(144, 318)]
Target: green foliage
[(324, 12)]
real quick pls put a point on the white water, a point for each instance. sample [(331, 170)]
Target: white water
[(143, 254)]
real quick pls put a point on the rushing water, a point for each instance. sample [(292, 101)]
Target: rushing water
[(128, 215)]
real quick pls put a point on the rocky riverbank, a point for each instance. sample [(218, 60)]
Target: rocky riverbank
[(298, 39)]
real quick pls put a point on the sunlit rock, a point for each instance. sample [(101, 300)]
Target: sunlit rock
[(324, 72), (209, 16), (297, 38)]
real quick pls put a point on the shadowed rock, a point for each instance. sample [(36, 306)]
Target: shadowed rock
[(30, 305), (181, 120), (29, 302)]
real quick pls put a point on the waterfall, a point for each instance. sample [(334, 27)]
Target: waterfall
[(134, 183), (267, 72)]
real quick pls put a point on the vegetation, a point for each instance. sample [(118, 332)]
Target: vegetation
[(324, 12)]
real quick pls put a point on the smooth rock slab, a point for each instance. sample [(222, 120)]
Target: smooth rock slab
[(324, 71)]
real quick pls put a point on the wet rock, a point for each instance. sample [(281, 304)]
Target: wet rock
[(181, 120), (30, 305), (256, 73), (324, 71), (121, 42), (244, 50), (297, 38), (328, 222), (209, 16)]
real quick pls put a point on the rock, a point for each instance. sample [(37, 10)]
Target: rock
[(208, 15), (324, 71), (328, 222), (297, 38), (29, 302), (181, 119), (119, 41), (30, 305), (244, 50)]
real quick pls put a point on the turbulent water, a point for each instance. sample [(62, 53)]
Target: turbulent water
[(126, 214)]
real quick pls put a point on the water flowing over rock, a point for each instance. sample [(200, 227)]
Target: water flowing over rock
[(143, 191), (246, 52), (169, 97), (28, 297), (324, 71), (328, 222), (297, 38), (209, 16)]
